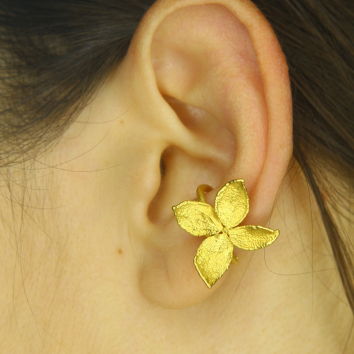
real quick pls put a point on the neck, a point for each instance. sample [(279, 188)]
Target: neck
[(66, 292)]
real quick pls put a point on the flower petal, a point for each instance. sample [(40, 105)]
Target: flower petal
[(197, 218), (232, 203), (252, 237), (213, 258)]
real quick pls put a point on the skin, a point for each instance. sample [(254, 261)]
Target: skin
[(92, 258)]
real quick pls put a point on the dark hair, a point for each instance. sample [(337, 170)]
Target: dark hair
[(55, 54)]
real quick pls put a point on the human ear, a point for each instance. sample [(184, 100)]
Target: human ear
[(212, 82)]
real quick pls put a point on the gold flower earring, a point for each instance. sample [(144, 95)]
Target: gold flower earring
[(215, 253)]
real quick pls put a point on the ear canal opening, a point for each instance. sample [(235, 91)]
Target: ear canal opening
[(181, 174), (162, 168), (153, 210)]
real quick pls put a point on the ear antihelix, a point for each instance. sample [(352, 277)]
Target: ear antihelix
[(220, 226)]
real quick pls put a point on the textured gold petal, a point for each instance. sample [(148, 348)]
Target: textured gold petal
[(213, 258), (252, 237), (199, 219), (232, 203)]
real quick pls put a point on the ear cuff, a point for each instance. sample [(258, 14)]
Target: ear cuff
[(220, 227)]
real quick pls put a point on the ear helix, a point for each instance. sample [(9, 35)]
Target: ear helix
[(220, 226)]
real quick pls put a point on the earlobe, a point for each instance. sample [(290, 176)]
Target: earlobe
[(219, 72)]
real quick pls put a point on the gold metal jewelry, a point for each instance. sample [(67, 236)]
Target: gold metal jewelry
[(219, 225)]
